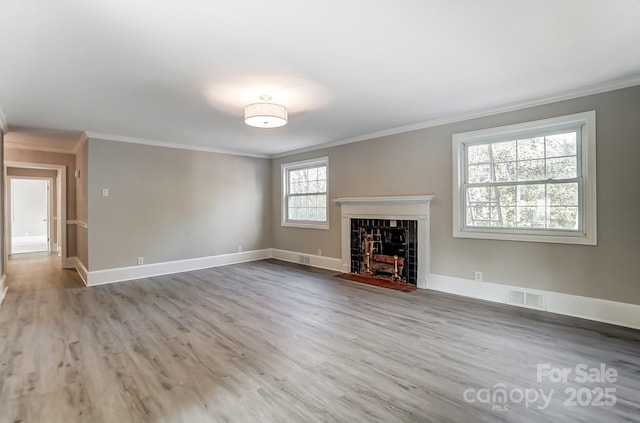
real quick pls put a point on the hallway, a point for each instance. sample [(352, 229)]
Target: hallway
[(39, 271)]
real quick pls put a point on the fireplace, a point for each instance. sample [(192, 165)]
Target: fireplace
[(385, 248), (398, 226)]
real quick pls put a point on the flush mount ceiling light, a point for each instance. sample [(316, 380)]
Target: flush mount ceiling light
[(265, 115)]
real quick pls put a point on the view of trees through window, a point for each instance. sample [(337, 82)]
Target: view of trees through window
[(307, 196), (530, 183)]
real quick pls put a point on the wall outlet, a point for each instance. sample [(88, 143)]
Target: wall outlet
[(140, 260), (319, 251), (478, 275), (239, 248), (105, 192)]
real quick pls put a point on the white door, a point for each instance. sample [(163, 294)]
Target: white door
[(29, 215)]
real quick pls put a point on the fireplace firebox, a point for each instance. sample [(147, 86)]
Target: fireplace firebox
[(385, 248)]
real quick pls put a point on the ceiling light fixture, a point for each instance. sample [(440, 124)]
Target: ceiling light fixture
[(265, 115)]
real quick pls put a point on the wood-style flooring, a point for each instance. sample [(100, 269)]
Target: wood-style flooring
[(274, 342)]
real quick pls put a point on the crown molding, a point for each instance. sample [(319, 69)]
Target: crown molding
[(19, 146), (81, 140), (538, 101), (133, 140)]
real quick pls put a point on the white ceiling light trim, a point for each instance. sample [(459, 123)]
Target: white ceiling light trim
[(266, 115)]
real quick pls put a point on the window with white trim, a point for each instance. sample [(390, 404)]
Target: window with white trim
[(304, 199), (527, 182)]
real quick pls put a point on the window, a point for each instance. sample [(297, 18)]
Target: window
[(528, 182), (304, 199)]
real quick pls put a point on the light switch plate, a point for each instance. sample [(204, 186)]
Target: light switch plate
[(105, 192)]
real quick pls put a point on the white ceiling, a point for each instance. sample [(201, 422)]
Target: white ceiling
[(182, 71)]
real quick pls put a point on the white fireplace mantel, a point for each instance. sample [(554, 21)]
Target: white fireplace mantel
[(408, 207), (394, 199)]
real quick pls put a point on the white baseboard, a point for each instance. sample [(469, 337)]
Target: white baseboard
[(100, 277), (70, 262), (74, 262), (82, 271), (616, 313), (321, 262)]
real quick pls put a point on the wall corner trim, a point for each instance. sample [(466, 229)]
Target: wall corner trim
[(596, 309), (3, 289), (80, 268)]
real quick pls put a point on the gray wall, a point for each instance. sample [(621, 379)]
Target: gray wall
[(68, 160), (420, 162), (167, 204)]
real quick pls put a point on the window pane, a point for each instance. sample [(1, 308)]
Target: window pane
[(563, 218), (322, 173), (507, 195), (313, 174), (479, 174), (504, 151), (479, 194), (531, 195), (531, 217), (322, 214), (562, 168), (322, 186), (478, 153), (509, 217), (531, 148), (531, 170), (506, 172), (563, 194), (480, 212), (561, 145), (294, 176)]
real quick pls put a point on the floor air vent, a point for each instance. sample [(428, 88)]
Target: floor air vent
[(525, 299)]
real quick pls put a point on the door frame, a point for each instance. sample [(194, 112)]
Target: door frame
[(61, 191), (50, 215)]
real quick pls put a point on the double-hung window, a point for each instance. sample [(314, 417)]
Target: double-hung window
[(528, 182), (304, 199)]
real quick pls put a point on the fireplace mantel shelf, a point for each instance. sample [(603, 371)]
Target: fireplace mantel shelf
[(396, 199)]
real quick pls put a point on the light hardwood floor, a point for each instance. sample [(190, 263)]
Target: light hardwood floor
[(274, 342)]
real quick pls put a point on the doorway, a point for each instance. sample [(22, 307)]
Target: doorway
[(30, 215), (56, 215)]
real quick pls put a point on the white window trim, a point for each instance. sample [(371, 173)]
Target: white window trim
[(284, 168), (588, 235)]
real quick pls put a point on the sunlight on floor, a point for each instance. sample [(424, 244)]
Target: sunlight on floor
[(28, 244)]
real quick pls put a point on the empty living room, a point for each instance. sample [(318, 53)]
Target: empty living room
[(285, 211)]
